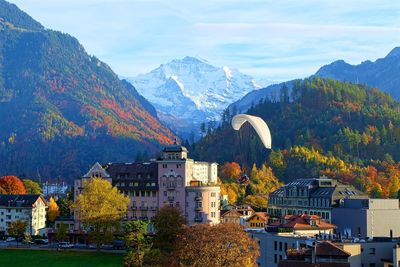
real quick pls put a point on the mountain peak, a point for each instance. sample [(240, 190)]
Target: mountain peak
[(190, 60), (394, 53)]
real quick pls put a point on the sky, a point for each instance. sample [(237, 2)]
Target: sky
[(272, 40)]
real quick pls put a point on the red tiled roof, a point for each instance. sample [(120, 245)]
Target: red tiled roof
[(302, 222)]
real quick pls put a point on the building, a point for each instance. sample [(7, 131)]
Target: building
[(377, 252), (54, 189), (311, 196), (306, 225), (173, 180), (29, 208), (321, 254), (367, 218), (258, 220), (236, 214)]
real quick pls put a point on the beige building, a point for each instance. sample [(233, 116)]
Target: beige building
[(202, 204), (29, 208), (367, 218)]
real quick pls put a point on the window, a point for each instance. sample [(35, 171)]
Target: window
[(165, 193), (212, 214), (275, 258), (212, 204), (165, 166), (280, 246), (213, 194), (275, 245)]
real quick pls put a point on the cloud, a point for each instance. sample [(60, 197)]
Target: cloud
[(276, 39)]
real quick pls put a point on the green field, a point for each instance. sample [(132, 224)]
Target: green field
[(42, 258)]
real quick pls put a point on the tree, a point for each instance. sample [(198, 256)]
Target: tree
[(32, 187), (215, 245), (62, 232), (64, 205), (12, 185), (138, 243), (100, 207), (168, 222), (230, 170), (52, 211), (17, 228)]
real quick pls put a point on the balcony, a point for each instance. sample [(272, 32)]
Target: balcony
[(153, 208), (171, 198), (198, 219), (197, 208), (133, 208), (198, 198), (171, 187), (144, 208), (144, 218)]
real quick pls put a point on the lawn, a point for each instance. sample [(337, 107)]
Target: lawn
[(42, 258)]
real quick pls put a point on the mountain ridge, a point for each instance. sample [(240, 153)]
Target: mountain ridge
[(62, 109)]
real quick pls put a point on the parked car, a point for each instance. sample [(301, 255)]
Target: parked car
[(10, 239), (27, 242), (65, 245), (41, 241), (118, 244)]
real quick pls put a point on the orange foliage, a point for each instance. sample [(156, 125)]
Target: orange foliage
[(230, 170), (12, 185)]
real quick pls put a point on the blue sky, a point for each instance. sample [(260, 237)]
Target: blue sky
[(277, 40)]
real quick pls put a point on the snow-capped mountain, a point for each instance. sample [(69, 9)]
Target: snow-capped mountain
[(189, 91)]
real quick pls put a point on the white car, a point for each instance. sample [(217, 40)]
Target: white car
[(65, 245), (10, 239)]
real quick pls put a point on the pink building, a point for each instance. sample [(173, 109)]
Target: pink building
[(173, 180)]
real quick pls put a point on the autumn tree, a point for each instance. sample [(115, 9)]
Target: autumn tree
[(32, 187), (52, 211), (17, 228), (230, 170), (168, 222), (100, 207), (138, 243), (215, 245), (12, 185), (62, 232)]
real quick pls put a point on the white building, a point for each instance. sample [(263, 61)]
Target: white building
[(29, 208), (51, 189)]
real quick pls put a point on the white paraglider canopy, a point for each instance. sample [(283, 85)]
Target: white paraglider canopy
[(258, 124)]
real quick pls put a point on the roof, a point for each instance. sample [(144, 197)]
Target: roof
[(132, 170), (322, 187), (19, 200), (302, 222), (232, 213), (98, 170), (328, 249), (262, 215), (175, 148)]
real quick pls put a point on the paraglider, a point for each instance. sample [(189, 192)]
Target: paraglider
[(261, 129), (258, 124)]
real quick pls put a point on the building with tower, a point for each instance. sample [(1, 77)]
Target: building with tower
[(173, 179)]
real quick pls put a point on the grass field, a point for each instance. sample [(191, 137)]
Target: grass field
[(42, 258)]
